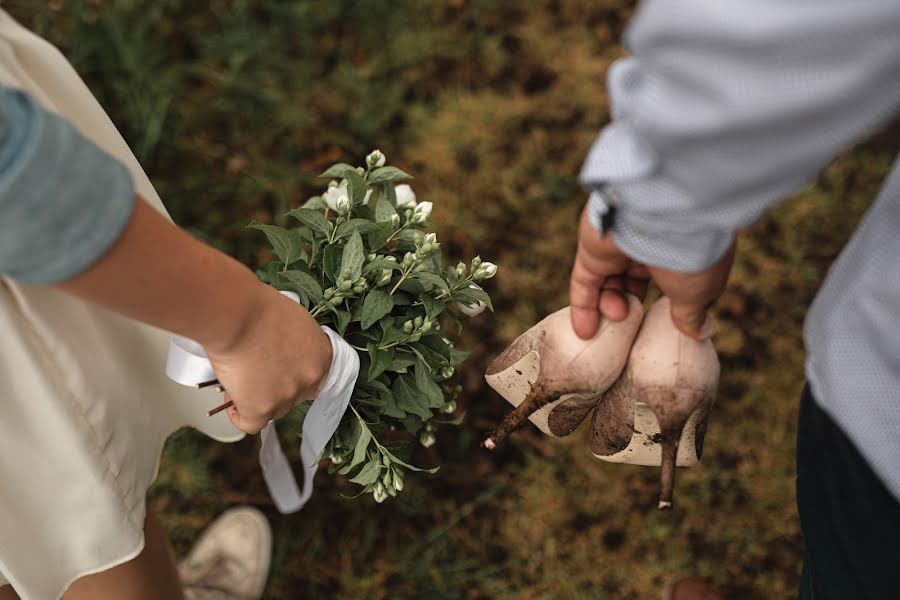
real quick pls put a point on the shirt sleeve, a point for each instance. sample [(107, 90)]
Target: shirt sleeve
[(723, 108), (63, 200)]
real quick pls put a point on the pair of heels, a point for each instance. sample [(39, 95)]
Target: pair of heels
[(650, 386)]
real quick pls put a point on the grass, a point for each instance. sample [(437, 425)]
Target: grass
[(234, 106)]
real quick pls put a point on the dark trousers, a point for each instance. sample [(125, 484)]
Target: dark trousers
[(850, 522)]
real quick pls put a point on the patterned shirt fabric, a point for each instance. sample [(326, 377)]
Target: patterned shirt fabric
[(720, 111), (63, 200)]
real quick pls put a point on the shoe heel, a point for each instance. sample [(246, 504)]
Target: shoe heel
[(674, 409)]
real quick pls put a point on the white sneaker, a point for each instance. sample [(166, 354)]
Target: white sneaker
[(231, 559)]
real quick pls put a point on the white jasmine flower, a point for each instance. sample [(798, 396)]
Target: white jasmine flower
[(333, 194), (406, 197)]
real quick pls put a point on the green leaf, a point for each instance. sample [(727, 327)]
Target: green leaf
[(312, 219), (379, 264), (384, 211), (335, 170), (412, 236), (376, 305), (304, 283), (287, 244), (356, 186), (353, 256), (432, 307), (409, 398), (407, 465), (316, 203), (427, 386), (458, 356), (432, 280), (402, 361), (379, 237), (472, 295), (387, 174), (380, 360), (391, 409), (331, 261), (368, 474), (363, 226), (362, 443), (341, 320)]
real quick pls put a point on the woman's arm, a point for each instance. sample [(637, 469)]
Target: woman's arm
[(69, 218), (267, 351)]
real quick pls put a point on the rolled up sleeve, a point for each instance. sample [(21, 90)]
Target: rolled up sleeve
[(63, 200), (724, 108)]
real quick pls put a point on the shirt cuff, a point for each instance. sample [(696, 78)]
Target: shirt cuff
[(64, 201)]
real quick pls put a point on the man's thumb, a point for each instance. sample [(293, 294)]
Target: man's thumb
[(693, 320)]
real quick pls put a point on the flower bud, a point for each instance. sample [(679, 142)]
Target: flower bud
[(375, 159), (449, 408), (387, 480), (426, 326), (476, 262), (461, 270), (431, 237), (372, 256), (345, 274), (471, 310), (360, 170), (423, 211), (328, 293), (359, 289), (409, 259), (385, 277), (379, 493), (427, 439), (346, 285), (391, 258), (415, 337), (418, 322), (406, 197), (343, 205), (489, 269), (336, 460), (398, 481), (408, 327), (395, 221), (447, 372)]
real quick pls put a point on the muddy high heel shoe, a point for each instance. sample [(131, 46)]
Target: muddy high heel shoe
[(656, 413), (554, 378)]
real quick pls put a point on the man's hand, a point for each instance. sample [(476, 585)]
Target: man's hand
[(600, 275), (602, 272)]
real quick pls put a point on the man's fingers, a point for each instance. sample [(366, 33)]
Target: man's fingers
[(613, 303), (584, 300), (693, 320)]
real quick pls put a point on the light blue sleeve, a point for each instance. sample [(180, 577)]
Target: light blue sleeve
[(63, 200), (724, 108)]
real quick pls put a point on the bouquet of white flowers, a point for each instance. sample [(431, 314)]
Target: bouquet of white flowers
[(363, 264)]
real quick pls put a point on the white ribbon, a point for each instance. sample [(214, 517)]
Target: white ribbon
[(188, 364)]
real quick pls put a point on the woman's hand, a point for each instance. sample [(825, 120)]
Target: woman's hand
[(279, 357)]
